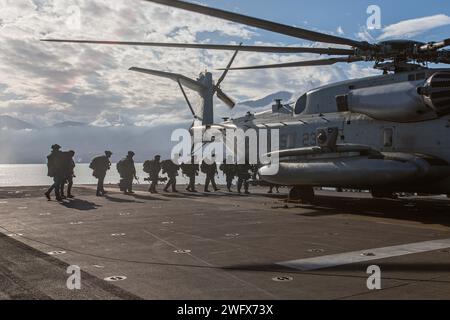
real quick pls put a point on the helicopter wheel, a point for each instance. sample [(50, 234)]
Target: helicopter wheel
[(383, 194), (305, 194)]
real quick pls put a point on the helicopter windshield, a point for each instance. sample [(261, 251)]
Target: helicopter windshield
[(300, 105)]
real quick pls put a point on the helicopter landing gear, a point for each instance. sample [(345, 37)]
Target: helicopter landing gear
[(383, 194), (305, 194)]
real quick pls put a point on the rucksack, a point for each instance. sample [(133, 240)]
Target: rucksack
[(148, 166), (120, 165), (204, 167), (93, 164), (165, 166), (55, 163)]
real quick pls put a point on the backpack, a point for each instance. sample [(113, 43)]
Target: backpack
[(55, 163), (93, 164), (120, 166), (165, 167), (148, 166), (204, 167)]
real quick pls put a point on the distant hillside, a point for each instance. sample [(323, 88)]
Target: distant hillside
[(268, 100), (66, 124), (8, 122), (106, 132)]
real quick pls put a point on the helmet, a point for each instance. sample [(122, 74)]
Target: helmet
[(108, 153), (56, 147), (131, 153)]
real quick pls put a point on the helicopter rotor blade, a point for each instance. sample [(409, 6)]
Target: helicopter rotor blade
[(432, 46), (224, 74), (263, 49), (322, 62), (190, 83), (262, 24), (225, 98)]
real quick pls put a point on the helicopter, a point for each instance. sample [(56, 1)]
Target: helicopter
[(388, 133)]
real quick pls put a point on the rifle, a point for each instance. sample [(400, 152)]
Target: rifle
[(159, 179)]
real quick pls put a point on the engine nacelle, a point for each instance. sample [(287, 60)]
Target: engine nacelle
[(436, 92), (401, 102)]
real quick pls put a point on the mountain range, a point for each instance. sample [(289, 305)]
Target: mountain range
[(8, 122), (22, 142), (268, 100)]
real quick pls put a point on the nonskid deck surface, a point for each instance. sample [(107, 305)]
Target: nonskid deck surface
[(222, 246)]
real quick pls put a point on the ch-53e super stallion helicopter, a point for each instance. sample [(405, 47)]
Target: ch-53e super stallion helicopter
[(388, 133)]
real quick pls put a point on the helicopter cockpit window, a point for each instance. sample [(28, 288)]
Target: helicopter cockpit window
[(300, 105)]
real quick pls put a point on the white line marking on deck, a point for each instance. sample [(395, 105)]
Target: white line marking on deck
[(334, 260)]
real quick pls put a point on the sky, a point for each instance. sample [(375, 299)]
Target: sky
[(48, 83)]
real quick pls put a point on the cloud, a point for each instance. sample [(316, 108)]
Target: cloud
[(364, 35), (49, 83), (414, 27)]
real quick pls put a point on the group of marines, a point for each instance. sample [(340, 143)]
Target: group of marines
[(61, 167)]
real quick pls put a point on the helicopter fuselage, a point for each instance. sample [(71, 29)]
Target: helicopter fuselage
[(424, 134)]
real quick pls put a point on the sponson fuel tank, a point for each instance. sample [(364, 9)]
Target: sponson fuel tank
[(359, 171)]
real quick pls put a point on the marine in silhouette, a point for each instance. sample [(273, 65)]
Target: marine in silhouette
[(243, 173), (153, 168), (100, 165), (171, 169), (127, 171), (55, 171), (191, 171), (210, 170), (68, 173), (230, 171)]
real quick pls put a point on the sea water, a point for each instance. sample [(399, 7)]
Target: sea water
[(12, 175)]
